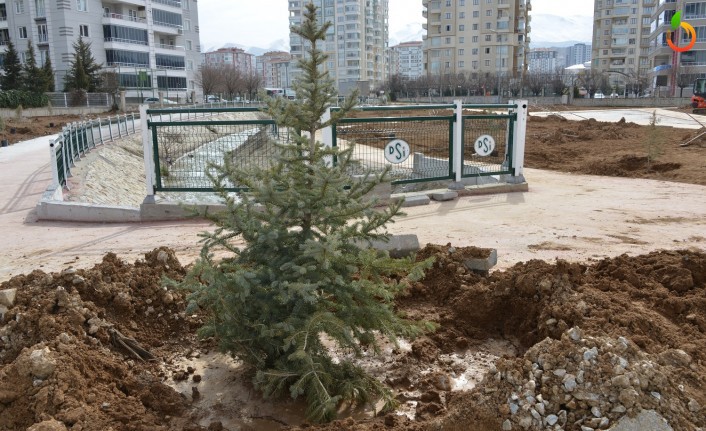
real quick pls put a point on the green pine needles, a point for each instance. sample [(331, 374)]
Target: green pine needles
[(304, 282)]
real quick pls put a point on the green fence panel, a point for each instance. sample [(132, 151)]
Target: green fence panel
[(185, 152), (487, 144), (429, 156)]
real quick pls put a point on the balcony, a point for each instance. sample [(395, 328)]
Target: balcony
[(168, 28), (169, 47), (172, 3), (125, 18)]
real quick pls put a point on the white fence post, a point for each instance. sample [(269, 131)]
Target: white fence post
[(327, 134), (54, 167), (458, 141), (148, 156), (520, 133)]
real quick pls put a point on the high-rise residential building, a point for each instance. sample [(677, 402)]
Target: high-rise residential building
[(672, 69), (152, 45), (275, 69), (355, 43), (407, 60), (231, 57), (621, 39), (578, 54), (543, 60), (476, 36)]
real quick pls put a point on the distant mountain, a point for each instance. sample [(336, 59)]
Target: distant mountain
[(560, 31), (278, 45)]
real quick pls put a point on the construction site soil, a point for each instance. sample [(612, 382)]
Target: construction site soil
[(559, 346)]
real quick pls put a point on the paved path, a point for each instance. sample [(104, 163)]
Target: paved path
[(565, 216)]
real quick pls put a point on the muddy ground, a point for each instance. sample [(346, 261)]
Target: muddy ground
[(30, 128), (579, 345), (539, 346)]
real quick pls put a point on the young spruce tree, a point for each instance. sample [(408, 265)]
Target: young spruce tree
[(12, 78), (303, 275)]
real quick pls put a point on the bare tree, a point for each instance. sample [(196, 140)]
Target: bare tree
[(110, 83), (209, 78), (535, 82), (251, 84), (232, 81), (559, 81), (686, 74)]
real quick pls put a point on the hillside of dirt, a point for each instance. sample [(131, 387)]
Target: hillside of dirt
[(562, 343)]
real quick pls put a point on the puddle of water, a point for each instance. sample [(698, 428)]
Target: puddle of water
[(226, 395)]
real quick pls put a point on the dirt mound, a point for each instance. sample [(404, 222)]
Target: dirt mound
[(614, 149), (75, 346), (539, 345)]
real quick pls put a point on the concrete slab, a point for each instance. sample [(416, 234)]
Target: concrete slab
[(444, 196), (415, 201), (482, 265), (398, 246), (7, 297)]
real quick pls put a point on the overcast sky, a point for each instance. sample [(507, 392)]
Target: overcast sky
[(264, 23)]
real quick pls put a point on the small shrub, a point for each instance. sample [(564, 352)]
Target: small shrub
[(12, 99)]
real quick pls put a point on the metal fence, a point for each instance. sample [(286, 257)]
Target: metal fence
[(418, 143), (64, 100), (184, 151), (77, 139)]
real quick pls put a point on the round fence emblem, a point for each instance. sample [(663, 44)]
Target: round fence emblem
[(397, 151), (485, 145)]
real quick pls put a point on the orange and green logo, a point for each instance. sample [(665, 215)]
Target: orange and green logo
[(688, 28)]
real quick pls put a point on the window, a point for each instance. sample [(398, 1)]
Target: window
[(461, 64), (461, 27), (118, 33), (488, 38), (461, 39), (487, 50), (187, 24), (185, 4), (188, 45), (190, 65), (475, 26), (461, 52), (83, 30), (476, 14), (81, 5), (23, 57), (474, 51), (462, 15), (448, 28), (19, 6), (447, 41), (39, 6), (489, 13), (448, 15), (487, 62), (42, 33), (22, 32)]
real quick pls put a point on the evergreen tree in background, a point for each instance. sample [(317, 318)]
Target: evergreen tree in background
[(84, 72), (48, 75), (303, 275), (12, 78), (32, 76)]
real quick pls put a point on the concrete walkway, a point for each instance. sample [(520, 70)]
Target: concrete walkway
[(572, 217)]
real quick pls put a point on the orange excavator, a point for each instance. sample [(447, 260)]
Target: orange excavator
[(698, 100)]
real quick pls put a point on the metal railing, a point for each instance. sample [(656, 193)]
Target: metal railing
[(173, 3), (63, 100), (419, 144), (77, 139), (124, 17)]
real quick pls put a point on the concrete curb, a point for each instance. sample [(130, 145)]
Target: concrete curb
[(52, 207)]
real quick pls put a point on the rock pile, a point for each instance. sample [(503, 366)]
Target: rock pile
[(589, 383)]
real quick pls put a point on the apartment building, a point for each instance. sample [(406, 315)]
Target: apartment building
[(543, 60), (579, 53), (355, 43), (671, 69), (621, 39), (476, 36), (231, 57), (153, 45), (407, 60), (275, 69)]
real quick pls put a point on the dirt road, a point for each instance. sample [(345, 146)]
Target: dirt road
[(573, 217)]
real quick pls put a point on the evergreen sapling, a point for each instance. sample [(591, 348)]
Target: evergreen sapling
[(304, 280)]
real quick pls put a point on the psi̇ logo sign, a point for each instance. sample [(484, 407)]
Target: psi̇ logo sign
[(676, 23)]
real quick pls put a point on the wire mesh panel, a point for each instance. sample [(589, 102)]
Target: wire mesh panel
[(417, 149), (185, 151), (487, 145)]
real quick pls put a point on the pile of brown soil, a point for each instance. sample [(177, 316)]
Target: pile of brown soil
[(619, 149), (21, 129), (583, 346)]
